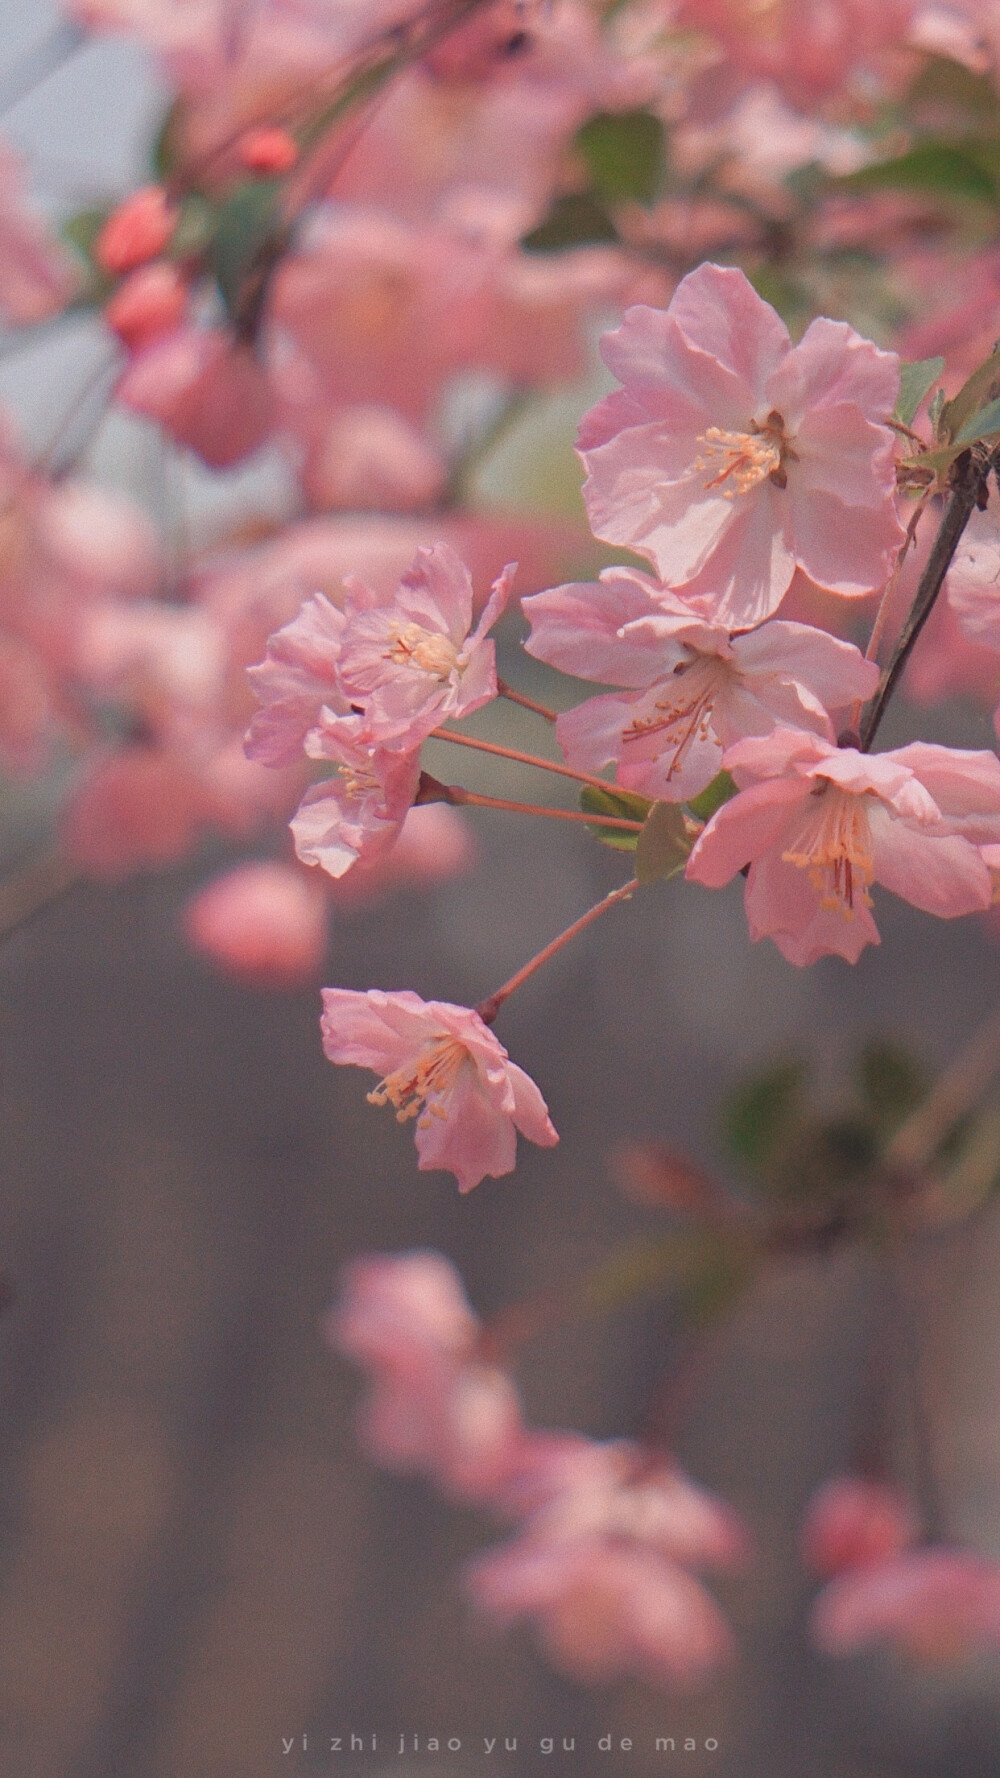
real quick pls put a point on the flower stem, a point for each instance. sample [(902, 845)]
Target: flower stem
[(516, 697), (455, 793), (968, 488), (522, 759), (488, 1008)]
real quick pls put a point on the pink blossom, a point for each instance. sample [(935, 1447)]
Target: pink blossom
[(264, 923), (37, 275), (819, 824), (369, 457), (935, 1604), (730, 457), (854, 1523), (356, 813), (137, 231), (297, 681), (441, 1065), (136, 810), (435, 1405), (415, 661), (697, 688), (150, 302), (809, 49), (208, 392)]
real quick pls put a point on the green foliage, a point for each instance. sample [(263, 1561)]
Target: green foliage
[(891, 1083), (760, 1115), (941, 169), (976, 392), (575, 220), (984, 424), (622, 805), (625, 155), (914, 382), (713, 796), (663, 846), (80, 232), (248, 227)]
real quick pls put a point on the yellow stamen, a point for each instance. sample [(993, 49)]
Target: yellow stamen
[(682, 716), (745, 459), (416, 1089), (429, 650), (834, 846)]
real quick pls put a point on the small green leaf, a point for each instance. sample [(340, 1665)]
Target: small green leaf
[(984, 424), (946, 168), (247, 223), (762, 1114), (914, 382), (624, 152), (890, 1082), (721, 789), (935, 410), (663, 846), (195, 228), (80, 232), (983, 386), (622, 805), (575, 220)]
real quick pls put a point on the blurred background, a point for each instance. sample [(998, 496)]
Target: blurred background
[(197, 1566)]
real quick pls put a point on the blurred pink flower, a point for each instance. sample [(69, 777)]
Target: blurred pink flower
[(207, 391), (435, 1406), (441, 1065), (819, 824), (810, 48), (135, 810), (263, 923), (730, 457), (38, 277), (853, 1523), (697, 688), (935, 1604)]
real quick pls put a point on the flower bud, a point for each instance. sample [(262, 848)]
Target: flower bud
[(137, 231), (268, 151), (151, 301)]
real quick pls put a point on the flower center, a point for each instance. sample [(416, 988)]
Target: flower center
[(834, 846), (357, 781), (742, 460), (413, 646), (680, 715), (417, 1088)]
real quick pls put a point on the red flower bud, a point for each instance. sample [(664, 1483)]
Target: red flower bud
[(151, 301), (137, 231), (268, 150)]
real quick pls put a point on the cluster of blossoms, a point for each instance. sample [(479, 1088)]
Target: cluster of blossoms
[(609, 1538), (373, 233)]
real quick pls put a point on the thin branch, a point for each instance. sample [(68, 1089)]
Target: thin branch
[(524, 759), (488, 1008), (954, 1093), (516, 697), (26, 891), (38, 62), (460, 797), (969, 482)]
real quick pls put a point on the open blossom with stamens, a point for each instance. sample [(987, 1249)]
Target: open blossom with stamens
[(696, 688), (358, 811), (818, 824), (441, 1066), (731, 457), (415, 660), (296, 682)]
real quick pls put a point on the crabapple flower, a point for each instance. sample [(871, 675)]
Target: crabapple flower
[(935, 1604), (414, 660), (697, 689), (262, 923), (852, 1523), (731, 457), (296, 681), (435, 1406), (442, 1066), (819, 824), (358, 812)]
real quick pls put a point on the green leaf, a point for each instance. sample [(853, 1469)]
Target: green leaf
[(625, 155), (575, 220), (760, 1115), (663, 846), (622, 805), (982, 425), (942, 82), (890, 1082), (248, 223), (80, 232), (195, 228), (721, 789), (982, 387), (946, 168), (914, 382)]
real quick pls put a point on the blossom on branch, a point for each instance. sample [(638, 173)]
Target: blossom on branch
[(818, 824), (358, 812), (696, 688), (442, 1066), (731, 457)]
